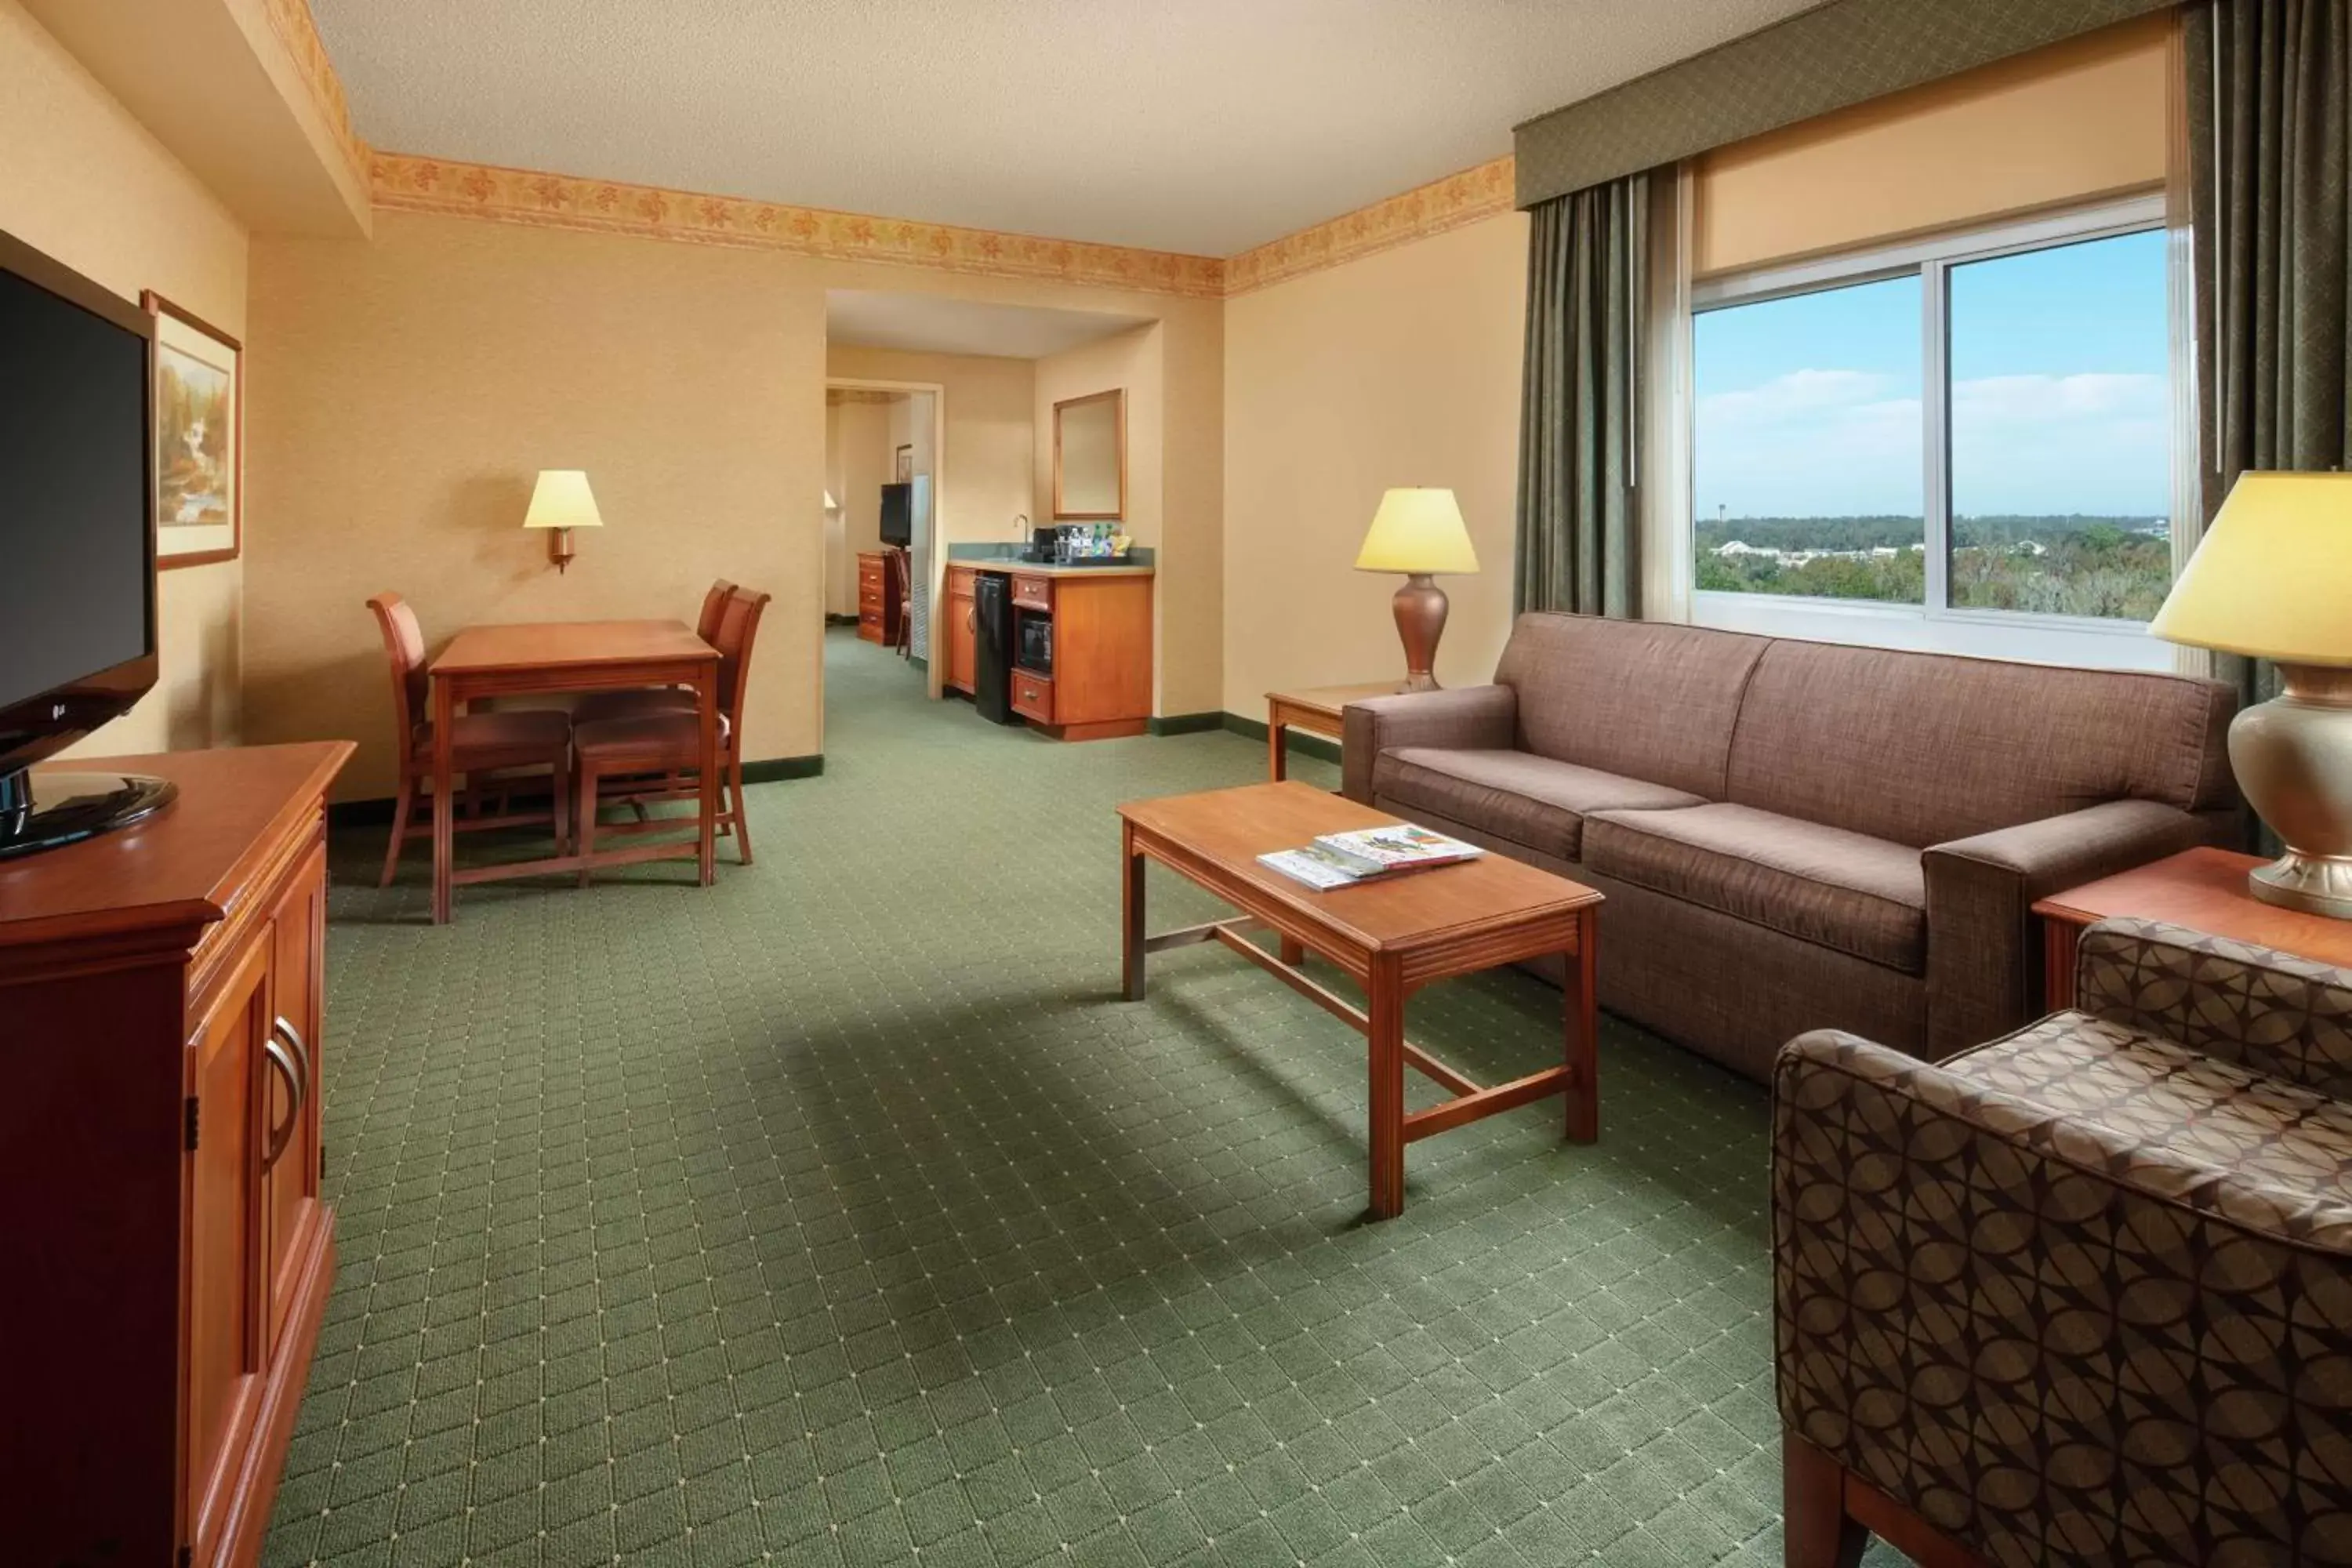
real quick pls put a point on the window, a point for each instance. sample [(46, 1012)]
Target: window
[(1972, 434)]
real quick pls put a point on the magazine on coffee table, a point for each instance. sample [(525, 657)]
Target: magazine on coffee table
[(1339, 859)]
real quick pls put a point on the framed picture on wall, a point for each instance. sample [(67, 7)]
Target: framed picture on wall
[(199, 427), (906, 464)]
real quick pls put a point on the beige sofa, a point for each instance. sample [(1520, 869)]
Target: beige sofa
[(1800, 835)]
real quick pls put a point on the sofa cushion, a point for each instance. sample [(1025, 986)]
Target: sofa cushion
[(1861, 895), (1925, 748), (2211, 1134), (1643, 699), (1517, 795)]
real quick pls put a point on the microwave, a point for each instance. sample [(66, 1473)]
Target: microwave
[(1034, 645)]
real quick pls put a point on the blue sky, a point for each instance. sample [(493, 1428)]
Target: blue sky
[(1809, 405)]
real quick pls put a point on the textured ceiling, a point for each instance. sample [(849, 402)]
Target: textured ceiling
[(937, 324), (1203, 126)]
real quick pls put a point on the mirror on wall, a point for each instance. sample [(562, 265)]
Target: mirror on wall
[(1090, 456)]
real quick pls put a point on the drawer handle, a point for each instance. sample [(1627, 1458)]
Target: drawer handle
[(294, 1065)]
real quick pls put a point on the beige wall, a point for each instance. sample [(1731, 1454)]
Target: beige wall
[(861, 432), (1399, 369), (414, 385), (1174, 502), (2081, 120), (84, 182), (984, 473)]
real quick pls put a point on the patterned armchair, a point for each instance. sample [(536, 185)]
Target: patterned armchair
[(2082, 1295)]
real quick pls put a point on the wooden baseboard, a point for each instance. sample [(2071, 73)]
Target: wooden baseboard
[(1300, 744)]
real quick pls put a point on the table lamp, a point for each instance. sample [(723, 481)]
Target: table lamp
[(562, 501), (2272, 579), (1419, 533)]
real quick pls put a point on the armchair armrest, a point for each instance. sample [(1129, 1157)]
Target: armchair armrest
[(2278, 1015), (1480, 718), (1981, 956), (1944, 1255)]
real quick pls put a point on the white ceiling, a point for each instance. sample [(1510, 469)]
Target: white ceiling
[(930, 323), (1203, 126)]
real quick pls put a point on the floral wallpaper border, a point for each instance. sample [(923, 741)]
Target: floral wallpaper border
[(609, 207), (297, 34), (1417, 214), (403, 182)]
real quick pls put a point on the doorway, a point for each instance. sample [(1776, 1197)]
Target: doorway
[(884, 444)]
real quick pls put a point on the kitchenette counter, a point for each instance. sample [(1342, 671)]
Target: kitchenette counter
[(1068, 648), (1039, 569)]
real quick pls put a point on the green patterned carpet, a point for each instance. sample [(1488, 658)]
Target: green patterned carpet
[(841, 1215)]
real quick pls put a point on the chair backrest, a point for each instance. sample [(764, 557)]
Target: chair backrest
[(714, 605), (738, 623), (403, 644)]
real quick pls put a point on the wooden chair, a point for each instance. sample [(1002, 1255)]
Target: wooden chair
[(656, 699), (668, 744), (484, 743), (902, 567)]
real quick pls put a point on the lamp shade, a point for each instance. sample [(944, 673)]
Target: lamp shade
[(561, 500), (1417, 531), (2272, 576)]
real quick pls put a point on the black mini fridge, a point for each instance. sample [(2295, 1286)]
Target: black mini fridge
[(991, 650)]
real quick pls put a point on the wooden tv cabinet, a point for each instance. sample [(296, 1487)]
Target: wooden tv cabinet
[(168, 1253)]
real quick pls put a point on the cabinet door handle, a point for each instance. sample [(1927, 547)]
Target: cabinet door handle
[(972, 620), (295, 1064)]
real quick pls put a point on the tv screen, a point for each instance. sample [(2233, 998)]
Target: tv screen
[(77, 552), (73, 573), (898, 514)]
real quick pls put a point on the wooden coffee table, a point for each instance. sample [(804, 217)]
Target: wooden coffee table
[(1392, 937)]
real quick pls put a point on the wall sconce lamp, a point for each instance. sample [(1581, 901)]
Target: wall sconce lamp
[(562, 501)]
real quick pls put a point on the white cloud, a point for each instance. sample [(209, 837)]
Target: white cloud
[(1834, 441), (1811, 442), (2095, 442)]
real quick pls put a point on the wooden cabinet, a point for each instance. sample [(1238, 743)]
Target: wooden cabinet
[(1101, 681), (962, 629), (160, 1022), (880, 604)]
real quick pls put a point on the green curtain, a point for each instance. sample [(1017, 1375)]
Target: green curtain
[(1579, 529), (2269, 88)]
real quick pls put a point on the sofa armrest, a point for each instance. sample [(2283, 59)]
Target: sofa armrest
[(1469, 718), (2269, 1011), (1982, 960), (1944, 1255)]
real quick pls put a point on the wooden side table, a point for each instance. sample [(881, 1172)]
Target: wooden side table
[(2204, 889), (1313, 707)]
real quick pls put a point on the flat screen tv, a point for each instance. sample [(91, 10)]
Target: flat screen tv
[(898, 515), (76, 543)]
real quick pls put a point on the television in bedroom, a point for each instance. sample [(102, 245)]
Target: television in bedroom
[(76, 544)]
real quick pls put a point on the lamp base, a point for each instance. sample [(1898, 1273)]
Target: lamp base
[(2315, 884), (2292, 756), (1420, 608)]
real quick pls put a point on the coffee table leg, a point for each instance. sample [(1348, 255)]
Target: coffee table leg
[(1584, 1031), (1130, 916), (1385, 1036), (1277, 748)]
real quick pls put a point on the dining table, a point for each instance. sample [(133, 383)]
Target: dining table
[(568, 658)]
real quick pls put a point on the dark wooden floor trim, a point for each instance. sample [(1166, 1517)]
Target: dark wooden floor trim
[(1300, 744), (1187, 723)]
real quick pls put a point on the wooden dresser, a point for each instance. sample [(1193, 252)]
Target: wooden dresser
[(879, 602), (160, 1024)]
